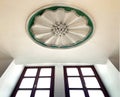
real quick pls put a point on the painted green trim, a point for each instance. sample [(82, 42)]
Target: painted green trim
[(66, 8)]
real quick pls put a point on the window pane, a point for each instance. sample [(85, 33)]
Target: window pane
[(23, 93), (74, 82), (72, 72), (95, 93), (91, 82), (42, 93), (45, 72), (27, 83), (31, 72), (87, 71), (44, 83), (77, 93)]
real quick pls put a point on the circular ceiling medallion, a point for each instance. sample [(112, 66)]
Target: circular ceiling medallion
[(59, 26)]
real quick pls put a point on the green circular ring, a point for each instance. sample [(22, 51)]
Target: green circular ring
[(66, 8)]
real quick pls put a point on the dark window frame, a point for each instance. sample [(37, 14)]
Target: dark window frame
[(85, 89), (34, 88)]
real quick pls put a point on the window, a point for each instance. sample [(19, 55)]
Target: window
[(83, 81), (35, 82)]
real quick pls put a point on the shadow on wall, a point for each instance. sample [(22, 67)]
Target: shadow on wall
[(5, 60), (114, 58)]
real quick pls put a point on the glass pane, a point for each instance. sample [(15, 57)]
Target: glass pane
[(44, 83), (72, 72), (42, 93), (23, 93), (77, 93), (27, 83), (45, 72), (31, 72), (95, 93), (74, 82), (91, 82), (87, 71)]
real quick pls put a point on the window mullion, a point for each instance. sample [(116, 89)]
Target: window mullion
[(83, 82), (35, 83), (52, 82), (66, 83)]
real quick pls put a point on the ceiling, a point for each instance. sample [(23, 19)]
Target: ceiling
[(15, 41)]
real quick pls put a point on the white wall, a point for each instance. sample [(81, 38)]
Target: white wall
[(111, 78), (9, 78)]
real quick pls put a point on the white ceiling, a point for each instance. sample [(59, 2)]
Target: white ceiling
[(15, 41)]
